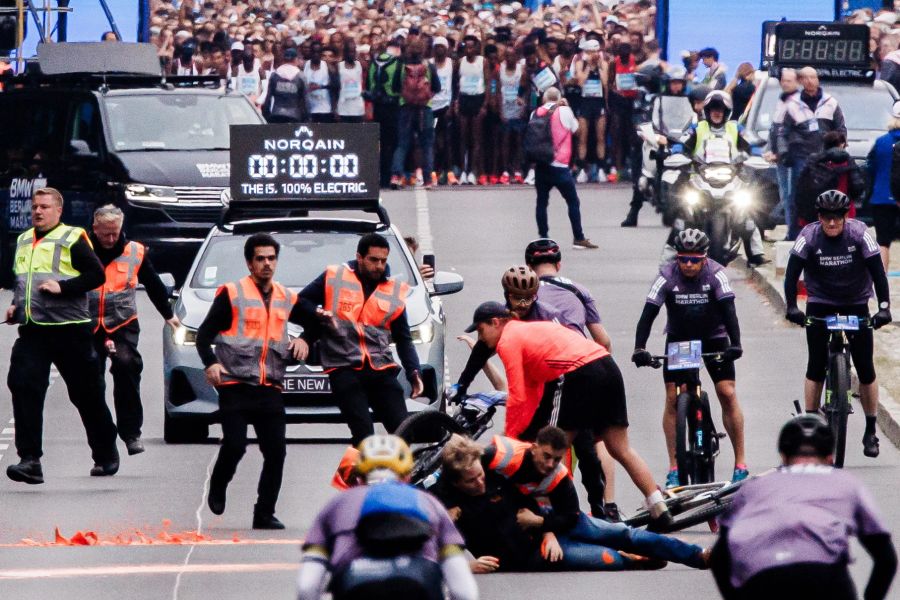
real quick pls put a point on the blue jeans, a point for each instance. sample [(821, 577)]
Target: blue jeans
[(415, 120), (547, 177), (583, 546), (788, 176)]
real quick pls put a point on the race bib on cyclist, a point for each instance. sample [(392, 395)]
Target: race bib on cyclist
[(592, 89), (684, 355), (544, 79), (470, 85), (626, 82), (842, 323)]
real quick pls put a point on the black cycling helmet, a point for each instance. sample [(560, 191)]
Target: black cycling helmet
[(718, 100), (806, 435), (691, 241), (699, 93), (833, 201), (542, 250)]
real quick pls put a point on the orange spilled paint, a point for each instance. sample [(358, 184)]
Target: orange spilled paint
[(163, 569), (137, 537)]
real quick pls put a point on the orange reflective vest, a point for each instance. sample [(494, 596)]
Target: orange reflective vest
[(114, 304), (362, 326), (508, 460), (254, 349)]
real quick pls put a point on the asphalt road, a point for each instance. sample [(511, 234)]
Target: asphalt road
[(477, 233)]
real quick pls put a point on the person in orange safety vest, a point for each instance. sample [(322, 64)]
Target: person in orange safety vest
[(113, 308), (248, 321)]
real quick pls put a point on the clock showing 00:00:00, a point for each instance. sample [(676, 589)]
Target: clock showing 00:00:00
[(303, 166)]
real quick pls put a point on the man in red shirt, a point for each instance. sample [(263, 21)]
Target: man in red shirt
[(591, 396)]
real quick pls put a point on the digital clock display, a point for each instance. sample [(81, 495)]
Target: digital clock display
[(822, 44), (304, 162)]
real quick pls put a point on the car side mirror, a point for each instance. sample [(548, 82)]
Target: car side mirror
[(168, 280), (446, 283), (81, 148)]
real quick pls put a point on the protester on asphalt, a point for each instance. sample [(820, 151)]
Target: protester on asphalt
[(113, 309), (248, 323), (55, 267), (883, 172), (787, 533)]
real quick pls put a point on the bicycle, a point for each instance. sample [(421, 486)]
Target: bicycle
[(428, 431), (696, 438), (838, 394)]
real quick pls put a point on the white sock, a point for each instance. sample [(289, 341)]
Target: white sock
[(653, 501)]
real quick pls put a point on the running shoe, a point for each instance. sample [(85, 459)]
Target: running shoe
[(613, 175), (601, 176), (870, 445), (582, 177), (482, 180), (504, 178), (451, 178), (493, 180), (432, 181), (443, 179), (672, 479), (529, 179), (517, 178), (396, 182), (420, 179), (584, 244), (740, 473)]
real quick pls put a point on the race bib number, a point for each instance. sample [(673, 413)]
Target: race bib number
[(684, 355), (544, 79), (717, 150), (351, 90), (471, 85), (510, 93), (626, 82), (248, 85), (842, 323), (592, 89)]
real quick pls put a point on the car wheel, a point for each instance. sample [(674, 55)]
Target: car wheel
[(183, 431)]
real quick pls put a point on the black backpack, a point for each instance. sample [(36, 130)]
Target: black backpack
[(538, 139), (895, 171)]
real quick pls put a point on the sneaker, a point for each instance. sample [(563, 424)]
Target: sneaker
[(442, 178), (672, 479), (433, 181), (420, 179), (740, 473), (482, 179), (493, 180), (134, 446), (451, 178), (411, 181), (582, 177), (601, 176), (266, 522), (105, 469), (870, 445), (611, 512), (529, 179), (584, 244), (27, 471), (613, 176), (517, 178), (396, 182), (504, 178)]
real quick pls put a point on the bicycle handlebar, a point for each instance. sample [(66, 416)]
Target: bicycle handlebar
[(716, 356), (863, 321)]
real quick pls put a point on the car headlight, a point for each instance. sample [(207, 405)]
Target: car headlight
[(184, 336), (152, 194), (692, 198), (742, 199), (423, 333)]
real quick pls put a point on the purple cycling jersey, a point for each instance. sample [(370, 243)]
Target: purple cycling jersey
[(332, 533), (691, 302), (578, 310), (799, 514), (835, 272)]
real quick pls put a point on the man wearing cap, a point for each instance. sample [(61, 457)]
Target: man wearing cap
[(284, 100)]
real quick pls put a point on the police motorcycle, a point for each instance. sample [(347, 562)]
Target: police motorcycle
[(715, 191)]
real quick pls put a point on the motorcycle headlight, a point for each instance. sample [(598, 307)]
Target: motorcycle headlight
[(150, 194), (423, 333), (184, 336), (718, 174), (742, 199), (692, 198)]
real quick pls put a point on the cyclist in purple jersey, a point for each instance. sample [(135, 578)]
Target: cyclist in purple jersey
[(840, 262), (786, 534), (700, 306)]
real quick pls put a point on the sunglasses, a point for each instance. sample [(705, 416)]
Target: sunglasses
[(832, 216), (522, 301), (692, 260)]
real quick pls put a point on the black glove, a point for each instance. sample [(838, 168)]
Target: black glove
[(642, 358), (733, 353), (881, 318), (795, 316)]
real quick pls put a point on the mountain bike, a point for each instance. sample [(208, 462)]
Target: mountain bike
[(696, 438), (428, 431), (838, 395)]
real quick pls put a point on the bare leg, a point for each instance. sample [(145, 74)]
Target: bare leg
[(609, 471), (812, 394), (616, 439), (732, 417), (582, 140), (601, 138)]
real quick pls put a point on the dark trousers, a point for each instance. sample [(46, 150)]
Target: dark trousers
[(262, 407), (126, 367), (321, 118), (547, 177), (387, 116), (68, 347), (359, 391), (415, 122)]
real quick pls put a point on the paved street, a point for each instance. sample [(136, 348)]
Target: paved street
[(477, 232)]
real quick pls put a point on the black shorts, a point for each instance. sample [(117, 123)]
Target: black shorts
[(718, 370), (592, 397), (885, 217), (591, 108), (470, 105)]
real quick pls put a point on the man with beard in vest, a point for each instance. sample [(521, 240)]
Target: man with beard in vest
[(114, 313)]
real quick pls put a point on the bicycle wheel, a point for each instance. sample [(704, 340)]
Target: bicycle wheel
[(678, 500), (426, 432), (706, 461), (684, 438), (700, 514), (837, 405)]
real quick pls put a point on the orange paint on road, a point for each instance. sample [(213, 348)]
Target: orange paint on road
[(162, 569)]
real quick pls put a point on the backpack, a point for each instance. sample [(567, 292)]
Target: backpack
[(895, 171), (416, 88), (538, 138), (381, 81)]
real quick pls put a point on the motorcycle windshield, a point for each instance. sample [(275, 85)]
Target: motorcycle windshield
[(672, 115)]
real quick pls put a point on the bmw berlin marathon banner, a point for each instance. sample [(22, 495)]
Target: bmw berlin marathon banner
[(304, 162)]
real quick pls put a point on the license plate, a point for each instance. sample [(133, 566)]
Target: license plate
[(684, 355), (842, 322), (307, 384)]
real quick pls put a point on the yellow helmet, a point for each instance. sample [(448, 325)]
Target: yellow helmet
[(384, 452)]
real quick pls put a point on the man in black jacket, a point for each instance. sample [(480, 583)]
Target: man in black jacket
[(285, 100), (832, 169)]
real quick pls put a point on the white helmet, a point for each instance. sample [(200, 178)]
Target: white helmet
[(718, 99)]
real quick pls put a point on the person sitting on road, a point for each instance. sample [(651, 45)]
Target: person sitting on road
[(786, 534), (840, 262), (385, 520), (700, 304), (490, 493), (592, 395)]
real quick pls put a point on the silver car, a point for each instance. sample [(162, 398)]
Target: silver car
[(308, 245)]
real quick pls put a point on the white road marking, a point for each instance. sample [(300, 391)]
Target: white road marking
[(423, 222), (8, 431), (106, 571), (199, 515), (4, 446)]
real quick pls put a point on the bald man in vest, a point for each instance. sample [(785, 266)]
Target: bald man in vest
[(115, 320), (55, 268)]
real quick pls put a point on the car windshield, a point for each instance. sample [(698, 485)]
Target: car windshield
[(303, 257), (674, 112), (864, 107), (175, 121)]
